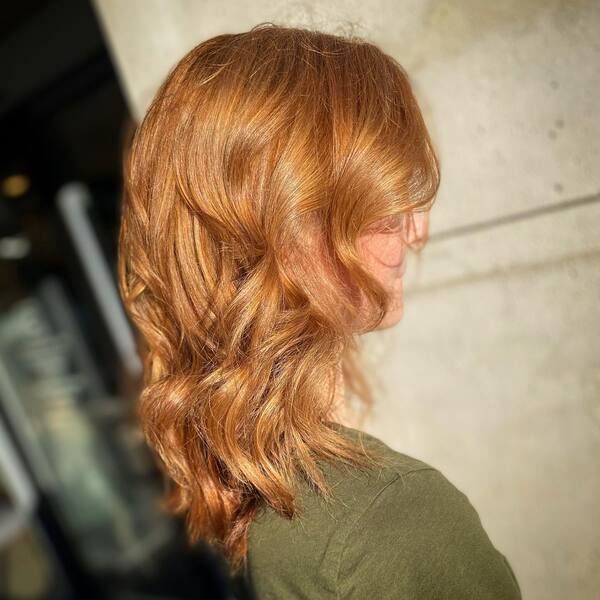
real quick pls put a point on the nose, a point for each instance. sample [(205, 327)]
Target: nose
[(416, 229)]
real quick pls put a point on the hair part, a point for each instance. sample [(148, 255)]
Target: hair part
[(261, 160)]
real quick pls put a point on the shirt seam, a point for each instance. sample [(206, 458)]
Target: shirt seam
[(398, 476)]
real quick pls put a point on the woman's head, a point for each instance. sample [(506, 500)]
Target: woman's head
[(268, 194)]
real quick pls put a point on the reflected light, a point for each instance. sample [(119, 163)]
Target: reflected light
[(14, 186), (16, 247)]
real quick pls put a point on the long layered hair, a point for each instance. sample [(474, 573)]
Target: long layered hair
[(262, 159)]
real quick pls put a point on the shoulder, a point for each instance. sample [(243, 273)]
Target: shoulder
[(398, 529), (391, 465), (419, 535), (308, 549)]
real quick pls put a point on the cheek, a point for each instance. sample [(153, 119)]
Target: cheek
[(395, 253), (385, 254)]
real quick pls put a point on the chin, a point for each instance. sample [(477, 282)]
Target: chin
[(391, 318)]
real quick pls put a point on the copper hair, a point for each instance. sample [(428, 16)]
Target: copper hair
[(261, 160)]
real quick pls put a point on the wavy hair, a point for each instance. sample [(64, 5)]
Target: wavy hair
[(262, 159)]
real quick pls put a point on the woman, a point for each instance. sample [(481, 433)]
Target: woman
[(271, 193)]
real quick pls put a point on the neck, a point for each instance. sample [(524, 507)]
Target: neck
[(341, 411)]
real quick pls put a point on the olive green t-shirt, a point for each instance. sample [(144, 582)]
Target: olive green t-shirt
[(400, 531)]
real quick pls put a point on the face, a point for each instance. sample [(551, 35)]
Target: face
[(385, 252)]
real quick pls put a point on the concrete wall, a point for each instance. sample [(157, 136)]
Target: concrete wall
[(493, 376)]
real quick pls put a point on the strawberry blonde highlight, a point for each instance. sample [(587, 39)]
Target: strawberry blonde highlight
[(261, 160)]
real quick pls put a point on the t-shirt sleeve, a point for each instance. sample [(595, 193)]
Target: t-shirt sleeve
[(421, 538)]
